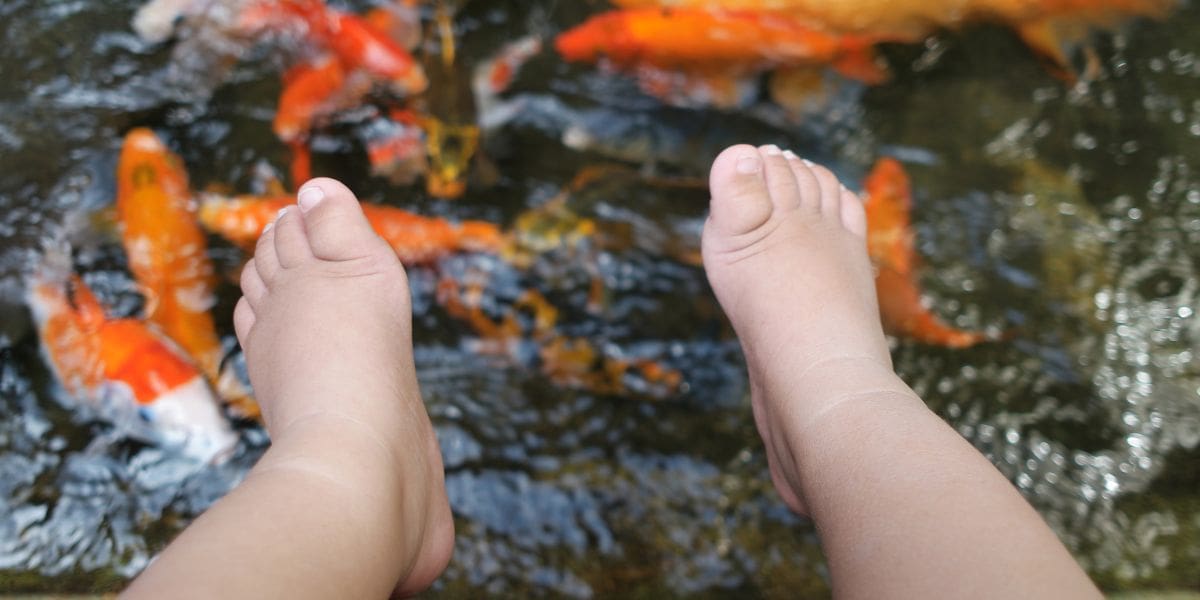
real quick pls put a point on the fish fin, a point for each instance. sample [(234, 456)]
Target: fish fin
[(1050, 39), (301, 162), (863, 65)]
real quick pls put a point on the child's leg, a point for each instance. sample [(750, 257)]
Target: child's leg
[(904, 506), (349, 501)]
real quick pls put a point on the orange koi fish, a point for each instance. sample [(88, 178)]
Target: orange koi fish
[(312, 92), (891, 247), (708, 41), (415, 239), (168, 255), (915, 19), (1039, 22), (354, 40), (123, 365)]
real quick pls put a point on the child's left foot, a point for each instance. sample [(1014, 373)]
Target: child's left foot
[(326, 326)]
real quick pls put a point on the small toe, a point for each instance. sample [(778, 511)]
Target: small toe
[(336, 226), (291, 239), (266, 262), (254, 289), (781, 180), (854, 215), (740, 201), (243, 320), (806, 181), (831, 191)]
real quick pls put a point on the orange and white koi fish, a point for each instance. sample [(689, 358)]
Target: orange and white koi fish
[(415, 239), (168, 254), (1040, 22), (125, 368), (494, 75), (715, 45), (890, 244)]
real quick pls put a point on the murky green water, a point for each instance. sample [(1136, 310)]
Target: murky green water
[(1070, 216)]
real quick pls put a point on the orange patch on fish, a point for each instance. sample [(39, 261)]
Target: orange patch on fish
[(415, 239)]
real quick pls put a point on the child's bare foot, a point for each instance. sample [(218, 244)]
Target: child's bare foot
[(326, 326), (785, 252)]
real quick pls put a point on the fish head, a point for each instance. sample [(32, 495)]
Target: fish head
[(187, 417), (147, 163)]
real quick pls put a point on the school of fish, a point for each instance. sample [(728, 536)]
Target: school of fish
[(162, 371)]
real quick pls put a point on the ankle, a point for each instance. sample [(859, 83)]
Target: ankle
[(346, 448)]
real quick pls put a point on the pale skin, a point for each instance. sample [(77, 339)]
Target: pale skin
[(350, 501), (905, 507)]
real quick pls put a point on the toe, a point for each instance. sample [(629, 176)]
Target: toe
[(291, 239), (831, 191), (337, 228), (806, 180), (253, 287), (781, 181), (243, 321), (265, 260), (740, 202), (854, 215)]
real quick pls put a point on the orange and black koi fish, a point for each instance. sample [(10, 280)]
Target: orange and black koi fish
[(415, 239), (125, 367), (168, 254), (891, 247)]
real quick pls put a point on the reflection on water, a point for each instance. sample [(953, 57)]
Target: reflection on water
[(1070, 216)]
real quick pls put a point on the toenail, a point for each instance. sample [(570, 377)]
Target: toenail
[(268, 227), (748, 165), (788, 154), (309, 197), (808, 163), (279, 215), (772, 150)]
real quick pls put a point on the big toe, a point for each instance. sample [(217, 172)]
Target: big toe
[(741, 202), (336, 226)]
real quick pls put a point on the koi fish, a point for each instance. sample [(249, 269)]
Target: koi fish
[(168, 255), (890, 244), (355, 42), (125, 367), (571, 362), (1039, 22), (396, 146), (495, 75), (415, 239), (313, 92), (714, 49)]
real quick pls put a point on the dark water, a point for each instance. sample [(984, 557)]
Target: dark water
[(1069, 215)]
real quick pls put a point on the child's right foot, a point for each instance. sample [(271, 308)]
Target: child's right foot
[(785, 251)]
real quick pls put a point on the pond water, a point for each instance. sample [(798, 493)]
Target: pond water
[(1066, 215)]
